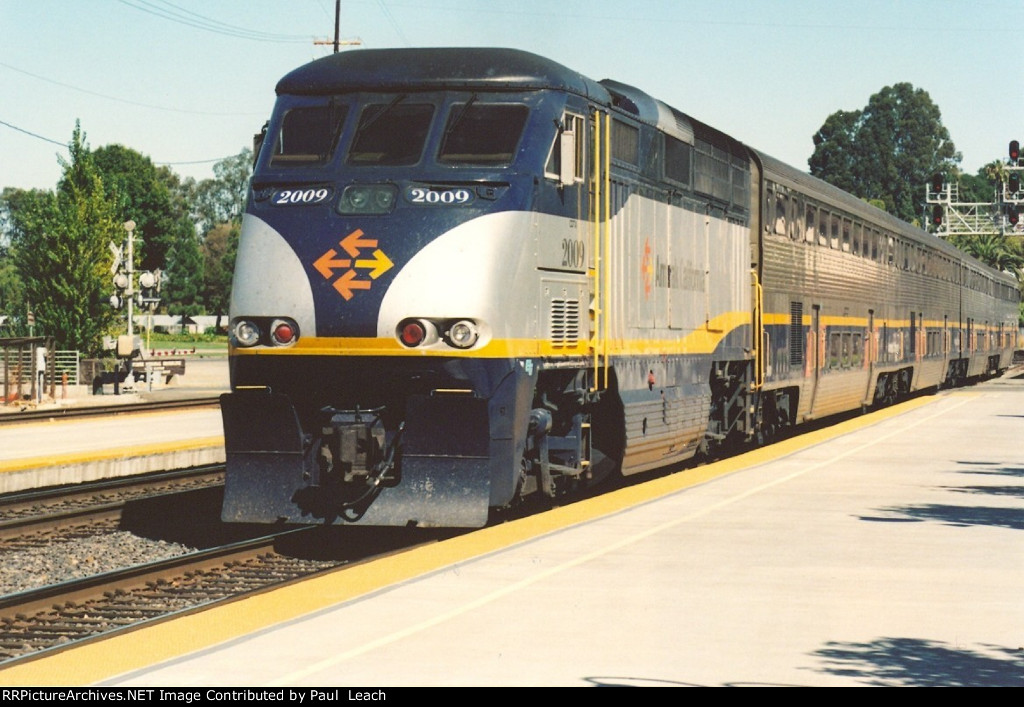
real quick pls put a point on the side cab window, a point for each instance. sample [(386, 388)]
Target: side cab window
[(566, 159)]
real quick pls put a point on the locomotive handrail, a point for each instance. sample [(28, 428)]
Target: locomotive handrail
[(758, 335), (601, 236), (607, 232)]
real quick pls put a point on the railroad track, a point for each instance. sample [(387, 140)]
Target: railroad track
[(59, 616), (215, 562), (58, 534), (69, 504), (13, 418)]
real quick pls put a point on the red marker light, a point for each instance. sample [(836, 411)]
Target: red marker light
[(412, 333), (284, 333)]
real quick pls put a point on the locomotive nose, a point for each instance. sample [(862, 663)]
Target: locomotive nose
[(271, 298)]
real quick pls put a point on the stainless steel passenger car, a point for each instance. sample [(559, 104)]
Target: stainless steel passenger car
[(469, 275)]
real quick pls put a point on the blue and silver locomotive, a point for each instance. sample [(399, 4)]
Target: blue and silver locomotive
[(469, 275)]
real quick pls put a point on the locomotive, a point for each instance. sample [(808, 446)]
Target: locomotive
[(470, 275)]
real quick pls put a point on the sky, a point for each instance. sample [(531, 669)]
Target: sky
[(188, 83)]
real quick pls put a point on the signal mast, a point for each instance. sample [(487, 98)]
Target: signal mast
[(999, 217)]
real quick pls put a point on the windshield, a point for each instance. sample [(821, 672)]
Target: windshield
[(391, 133), (482, 134), (396, 130), (308, 135)]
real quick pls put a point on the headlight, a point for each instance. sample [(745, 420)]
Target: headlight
[(462, 334), (367, 199), (245, 333)]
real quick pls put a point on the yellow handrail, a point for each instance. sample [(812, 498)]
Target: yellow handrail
[(600, 212), (607, 228), (757, 335), (595, 237)]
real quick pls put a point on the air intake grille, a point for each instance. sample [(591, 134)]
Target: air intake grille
[(565, 321), (796, 333)]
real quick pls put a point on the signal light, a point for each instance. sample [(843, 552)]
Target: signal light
[(1014, 150), (937, 183), (937, 215), (1014, 183), (1012, 214)]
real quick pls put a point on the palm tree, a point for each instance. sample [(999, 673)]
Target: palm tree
[(994, 250)]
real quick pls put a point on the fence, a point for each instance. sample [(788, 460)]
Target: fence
[(19, 367), (67, 362)]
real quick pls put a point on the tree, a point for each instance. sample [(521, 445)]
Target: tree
[(221, 199), (976, 188), (17, 207), (994, 250), (148, 195), (218, 205), (60, 249), (219, 251), (12, 295), (887, 151), (183, 284), (153, 197)]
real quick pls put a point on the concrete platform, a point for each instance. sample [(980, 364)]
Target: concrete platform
[(887, 550), (65, 451), (37, 455)]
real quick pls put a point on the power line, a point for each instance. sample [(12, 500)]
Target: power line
[(180, 15), (64, 144), (38, 137), (119, 100), (391, 19), (218, 159)]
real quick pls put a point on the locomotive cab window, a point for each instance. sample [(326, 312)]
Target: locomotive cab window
[(391, 133), (482, 134), (308, 135), (564, 146)]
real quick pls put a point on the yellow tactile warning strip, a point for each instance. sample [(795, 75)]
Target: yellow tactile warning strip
[(128, 452), (104, 659)]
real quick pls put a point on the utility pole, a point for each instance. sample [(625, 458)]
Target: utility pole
[(337, 32), (337, 23)]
